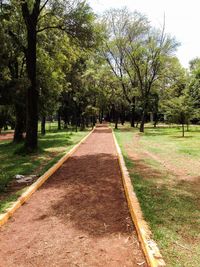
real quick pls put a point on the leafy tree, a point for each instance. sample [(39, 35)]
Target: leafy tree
[(137, 55), (73, 18), (179, 110), (149, 57), (194, 87), (13, 78), (118, 23)]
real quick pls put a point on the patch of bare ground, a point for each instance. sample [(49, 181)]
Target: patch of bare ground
[(179, 172), (79, 217)]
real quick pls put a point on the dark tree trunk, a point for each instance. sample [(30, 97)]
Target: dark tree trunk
[(93, 121), (116, 119), (132, 117), (87, 122), (143, 118), (32, 95), (43, 122), (133, 112), (142, 122), (82, 123), (102, 115), (59, 120), (156, 111), (187, 126), (19, 124), (32, 92), (108, 117), (155, 120), (122, 115), (183, 130)]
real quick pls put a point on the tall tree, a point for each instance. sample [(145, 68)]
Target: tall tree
[(118, 24), (74, 18)]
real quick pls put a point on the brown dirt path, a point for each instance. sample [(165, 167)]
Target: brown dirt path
[(79, 217), (6, 136)]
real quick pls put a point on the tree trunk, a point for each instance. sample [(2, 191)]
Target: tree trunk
[(32, 95), (102, 115), (43, 122), (19, 124), (183, 130), (155, 115), (82, 123), (5, 127), (133, 113), (116, 119), (30, 20), (143, 119), (59, 120), (122, 115), (187, 126), (132, 117)]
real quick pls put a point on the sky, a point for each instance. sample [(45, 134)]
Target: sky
[(182, 20)]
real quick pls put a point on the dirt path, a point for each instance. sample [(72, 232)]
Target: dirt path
[(79, 217), (7, 136)]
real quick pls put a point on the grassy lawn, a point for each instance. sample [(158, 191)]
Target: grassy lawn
[(164, 169), (52, 147)]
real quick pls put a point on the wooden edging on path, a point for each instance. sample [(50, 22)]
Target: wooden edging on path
[(32, 188), (149, 246)]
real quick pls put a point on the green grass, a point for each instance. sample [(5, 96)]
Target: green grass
[(170, 205), (52, 147)]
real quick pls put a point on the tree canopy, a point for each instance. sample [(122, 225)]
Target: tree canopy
[(59, 59)]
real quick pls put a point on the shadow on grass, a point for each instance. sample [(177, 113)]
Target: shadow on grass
[(55, 141), (182, 137)]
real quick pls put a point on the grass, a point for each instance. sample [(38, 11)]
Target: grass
[(52, 147), (170, 205)]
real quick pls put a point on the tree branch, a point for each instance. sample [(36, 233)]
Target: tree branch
[(43, 6), (51, 27)]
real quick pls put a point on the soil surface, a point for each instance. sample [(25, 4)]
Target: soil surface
[(79, 217), (7, 136), (181, 171)]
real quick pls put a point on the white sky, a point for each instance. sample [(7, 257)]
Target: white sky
[(182, 20)]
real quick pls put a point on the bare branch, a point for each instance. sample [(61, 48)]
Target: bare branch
[(43, 6)]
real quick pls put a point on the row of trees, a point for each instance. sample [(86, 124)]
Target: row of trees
[(58, 58)]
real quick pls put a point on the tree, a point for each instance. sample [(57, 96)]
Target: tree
[(179, 110), (148, 57), (13, 78), (118, 24), (74, 18), (137, 55), (194, 87)]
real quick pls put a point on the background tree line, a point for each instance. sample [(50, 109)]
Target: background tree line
[(57, 58)]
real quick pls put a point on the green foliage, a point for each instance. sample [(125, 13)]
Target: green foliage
[(138, 55), (179, 109)]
